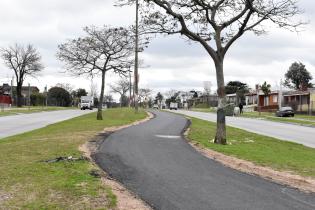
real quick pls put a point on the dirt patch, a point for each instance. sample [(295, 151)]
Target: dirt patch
[(286, 178), (4, 197), (126, 200)]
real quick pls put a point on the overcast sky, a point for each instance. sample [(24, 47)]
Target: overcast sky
[(171, 63)]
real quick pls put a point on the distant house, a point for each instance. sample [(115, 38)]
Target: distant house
[(211, 100), (263, 102), (251, 99), (302, 101), (232, 98), (5, 89), (26, 90), (5, 98), (270, 101)]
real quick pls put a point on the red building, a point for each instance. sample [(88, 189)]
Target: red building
[(5, 100)]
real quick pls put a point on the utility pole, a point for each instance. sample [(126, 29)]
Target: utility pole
[(280, 95), (136, 76)]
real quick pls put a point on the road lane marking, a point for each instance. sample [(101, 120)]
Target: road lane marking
[(167, 136)]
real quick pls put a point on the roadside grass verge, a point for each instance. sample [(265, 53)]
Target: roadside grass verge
[(32, 109), (33, 184), (299, 119), (261, 150), (211, 110)]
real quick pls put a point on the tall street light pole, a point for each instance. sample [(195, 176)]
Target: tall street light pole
[(136, 75)]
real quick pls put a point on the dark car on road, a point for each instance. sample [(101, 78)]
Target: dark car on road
[(285, 112)]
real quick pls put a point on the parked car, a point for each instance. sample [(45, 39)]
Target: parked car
[(285, 112)]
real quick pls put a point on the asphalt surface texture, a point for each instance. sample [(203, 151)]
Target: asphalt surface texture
[(17, 124), (283, 131), (154, 161)]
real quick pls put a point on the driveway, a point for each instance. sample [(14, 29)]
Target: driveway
[(283, 131), (16, 124), (154, 161)]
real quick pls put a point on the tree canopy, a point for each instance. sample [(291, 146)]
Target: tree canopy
[(80, 92), (235, 87), (266, 88), (298, 77), (158, 98), (121, 87), (58, 96)]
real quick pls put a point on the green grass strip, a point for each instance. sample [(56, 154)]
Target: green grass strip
[(33, 184), (262, 150)]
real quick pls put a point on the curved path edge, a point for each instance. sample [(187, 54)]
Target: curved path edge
[(155, 162)]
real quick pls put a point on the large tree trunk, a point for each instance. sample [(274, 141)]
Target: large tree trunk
[(220, 137), (100, 104), (19, 97)]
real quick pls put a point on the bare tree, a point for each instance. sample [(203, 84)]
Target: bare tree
[(216, 25), (102, 50), (24, 61), (170, 93), (68, 87), (144, 96), (108, 100), (121, 87)]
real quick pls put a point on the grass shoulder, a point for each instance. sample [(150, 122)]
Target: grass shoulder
[(261, 150), (32, 109), (30, 183)]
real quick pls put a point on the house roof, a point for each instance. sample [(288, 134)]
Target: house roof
[(5, 89), (296, 93), (274, 92)]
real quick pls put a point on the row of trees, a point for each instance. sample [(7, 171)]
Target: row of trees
[(297, 77), (57, 96), (215, 24), (101, 50)]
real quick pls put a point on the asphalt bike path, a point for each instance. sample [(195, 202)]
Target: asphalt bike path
[(154, 161)]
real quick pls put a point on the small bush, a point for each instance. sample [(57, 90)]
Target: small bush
[(229, 109)]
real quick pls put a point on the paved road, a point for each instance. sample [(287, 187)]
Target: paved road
[(16, 124), (155, 162), (284, 131)]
